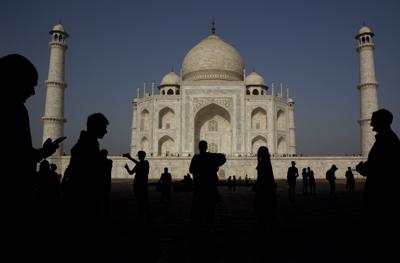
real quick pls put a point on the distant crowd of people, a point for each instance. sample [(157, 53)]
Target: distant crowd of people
[(86, 184)]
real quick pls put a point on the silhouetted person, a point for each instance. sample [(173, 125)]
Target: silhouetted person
[(265, 199), (204, 167), (381, 188), (18, 79), (311, 181), (305, 181), (292, 175), (53, 169), (234, 183), (85, 175), (330, 176), (165, 184), (350, 182), (140, 186), (246, 180), (229, 182)]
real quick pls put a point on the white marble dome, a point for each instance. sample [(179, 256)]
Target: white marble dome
[(170, 79), (212, 59), (58, 27), (364, 30), (254, 79)]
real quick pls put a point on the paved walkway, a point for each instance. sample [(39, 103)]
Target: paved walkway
[(313, 229)]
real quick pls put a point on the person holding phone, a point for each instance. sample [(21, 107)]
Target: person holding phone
[(18, 79)]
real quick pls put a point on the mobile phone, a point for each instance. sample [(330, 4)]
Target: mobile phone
[(59, 140)]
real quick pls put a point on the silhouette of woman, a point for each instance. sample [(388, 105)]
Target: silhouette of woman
[(265, 200)]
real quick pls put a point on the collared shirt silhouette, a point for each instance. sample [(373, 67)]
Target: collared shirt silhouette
[(382, 184), (204, 167)]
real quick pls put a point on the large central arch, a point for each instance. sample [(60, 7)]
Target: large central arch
[(213, 124)]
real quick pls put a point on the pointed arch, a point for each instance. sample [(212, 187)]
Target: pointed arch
[(166, 118), (281, 119), (166, 146), (144, 120), (281, 145), (258, 119), (219, 120)]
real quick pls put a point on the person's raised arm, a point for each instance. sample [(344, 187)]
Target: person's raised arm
[(127, 155)]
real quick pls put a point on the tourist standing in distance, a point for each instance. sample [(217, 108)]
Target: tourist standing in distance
[(292, 175), (166, 185), (350, 182), (330, 176), (140, 186)]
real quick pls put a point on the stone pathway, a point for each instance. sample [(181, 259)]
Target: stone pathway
[(313, 229)]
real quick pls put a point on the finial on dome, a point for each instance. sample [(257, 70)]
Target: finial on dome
[(254, 69), (364, 24), (213, 27), (172, 69)]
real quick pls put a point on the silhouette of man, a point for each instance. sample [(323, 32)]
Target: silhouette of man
[(311, 180), (165, 183), (292, 175), (381, 187), (84, 196), (18, 79), (330, 176), (140, 186), (350, 182), (204, 167)]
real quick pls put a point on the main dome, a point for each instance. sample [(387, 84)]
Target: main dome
[(212, 59)]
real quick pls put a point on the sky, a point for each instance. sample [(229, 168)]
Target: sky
[(115, 46)]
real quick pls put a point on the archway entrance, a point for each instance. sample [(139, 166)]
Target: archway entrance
[(213, 124)]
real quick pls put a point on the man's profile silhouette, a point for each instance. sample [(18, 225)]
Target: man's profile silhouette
[(382, 184)]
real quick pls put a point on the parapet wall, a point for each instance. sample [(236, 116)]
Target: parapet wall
[(239, 166)]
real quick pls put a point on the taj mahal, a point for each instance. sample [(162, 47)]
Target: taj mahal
[(213, 98)]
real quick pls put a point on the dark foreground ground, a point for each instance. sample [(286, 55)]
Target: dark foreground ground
[(313, 229)]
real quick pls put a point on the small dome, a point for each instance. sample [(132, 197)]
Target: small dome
[(170, 79), (254, 79), (58, 27), (212, 59), (364, 30)]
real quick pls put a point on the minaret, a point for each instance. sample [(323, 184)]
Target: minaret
[(292, 129), (53, 119), (368, 87)]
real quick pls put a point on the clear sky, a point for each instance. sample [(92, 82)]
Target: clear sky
[(115, 46)]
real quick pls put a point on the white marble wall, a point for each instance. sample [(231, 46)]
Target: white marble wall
[(239, 166)]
